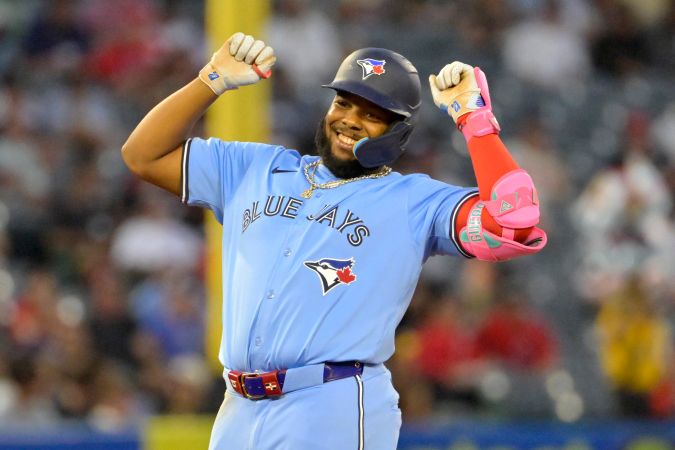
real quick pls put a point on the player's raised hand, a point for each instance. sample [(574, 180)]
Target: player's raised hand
[(459, 89), (241, 60), (462, 91)]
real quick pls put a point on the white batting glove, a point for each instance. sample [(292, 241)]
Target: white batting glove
[(241, 60), (456, 91)]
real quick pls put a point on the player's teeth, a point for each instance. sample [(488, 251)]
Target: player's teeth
[(346, 140)]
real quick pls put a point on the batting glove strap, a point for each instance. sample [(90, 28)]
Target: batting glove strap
[(479, 123), (215, 79)]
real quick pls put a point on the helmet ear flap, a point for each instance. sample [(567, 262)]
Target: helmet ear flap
[(405, 129), (383, 149)]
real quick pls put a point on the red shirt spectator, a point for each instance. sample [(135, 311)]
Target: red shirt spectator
[(446, 350), (515, 335)]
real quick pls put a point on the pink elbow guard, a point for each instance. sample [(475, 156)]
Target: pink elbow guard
[(513, 204)]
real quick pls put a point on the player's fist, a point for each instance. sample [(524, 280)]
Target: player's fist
[(455, 89), (241, 60), (462, 90)]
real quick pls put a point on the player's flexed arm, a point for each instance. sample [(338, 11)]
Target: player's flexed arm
[(153, 150), (500, 224)]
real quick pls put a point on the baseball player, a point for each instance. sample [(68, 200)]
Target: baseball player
[(321, 254)]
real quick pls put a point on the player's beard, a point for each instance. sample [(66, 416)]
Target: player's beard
[(338, 167)]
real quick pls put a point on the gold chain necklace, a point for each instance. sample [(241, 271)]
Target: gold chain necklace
[(307, 193)]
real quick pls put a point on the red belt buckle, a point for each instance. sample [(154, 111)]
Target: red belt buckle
[(236, 381)]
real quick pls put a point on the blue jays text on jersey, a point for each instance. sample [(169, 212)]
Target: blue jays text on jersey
[(345, 222), (327, 278)]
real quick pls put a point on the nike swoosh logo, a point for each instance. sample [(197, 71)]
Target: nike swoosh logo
[(278, 170)]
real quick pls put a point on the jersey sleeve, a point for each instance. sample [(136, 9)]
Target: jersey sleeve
[(213, 169), (433, 207)]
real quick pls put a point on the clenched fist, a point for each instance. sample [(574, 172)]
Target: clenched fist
[(460, 89), (240, 61)]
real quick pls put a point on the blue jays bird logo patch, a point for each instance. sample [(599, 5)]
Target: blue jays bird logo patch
[(371, 66), (333, 272)]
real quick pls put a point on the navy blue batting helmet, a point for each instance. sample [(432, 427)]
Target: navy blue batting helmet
[(391, 82), (382, 77)]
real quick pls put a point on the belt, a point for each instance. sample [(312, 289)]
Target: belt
[(259, 385)]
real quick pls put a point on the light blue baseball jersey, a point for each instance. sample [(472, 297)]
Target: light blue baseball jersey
[(326, 278)]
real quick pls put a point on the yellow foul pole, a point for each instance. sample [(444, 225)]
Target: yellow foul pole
[(241, 115)]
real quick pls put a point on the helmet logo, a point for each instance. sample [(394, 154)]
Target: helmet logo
[(371, 66)]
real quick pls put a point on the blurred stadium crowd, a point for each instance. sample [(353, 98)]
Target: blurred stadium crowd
[(102, 298)]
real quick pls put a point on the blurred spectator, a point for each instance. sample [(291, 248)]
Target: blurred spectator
[(116, 406), (514, 336), (29, 398), (188, 383), (663, 131), (151, 371), (417, 399), (152, 240), (622, 215), (662, 41), (648, 12), (35, 307), (170, 306), (482, 25), (478, 282), (57, 39), (73, 366), (447, 352), (577, 15), (81, 111), (416, 396), (533, 147), (662, 397), (635, 346), (128, 41), (24, 172), (544, 51), (306, 44), (620, 48), (112, 326), (10, 26), (81, 195)]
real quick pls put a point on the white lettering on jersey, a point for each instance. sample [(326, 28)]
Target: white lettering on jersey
[(328, 215)]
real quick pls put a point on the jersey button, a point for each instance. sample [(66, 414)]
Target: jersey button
[(318, 194), (258, 341), (270, 295), (288, 252)]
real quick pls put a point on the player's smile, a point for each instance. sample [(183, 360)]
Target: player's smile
[(343, 142)]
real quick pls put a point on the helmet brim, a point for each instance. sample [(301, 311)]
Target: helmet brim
[(370, 94)]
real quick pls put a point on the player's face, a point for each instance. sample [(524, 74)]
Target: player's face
[(351, 118)]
